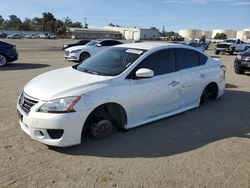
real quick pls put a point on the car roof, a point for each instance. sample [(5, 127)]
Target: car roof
[(150, 45)]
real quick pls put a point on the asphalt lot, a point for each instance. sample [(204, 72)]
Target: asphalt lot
[(205, 147)]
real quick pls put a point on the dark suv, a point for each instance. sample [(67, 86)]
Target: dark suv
[(8, 53), (242, 62)]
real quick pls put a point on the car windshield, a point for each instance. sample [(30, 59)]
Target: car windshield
[(230, 41), (92, 43), (110, 62)]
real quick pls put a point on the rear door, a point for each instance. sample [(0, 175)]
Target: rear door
[(192, 75)]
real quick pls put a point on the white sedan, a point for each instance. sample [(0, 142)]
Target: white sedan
[(80, 53), (119, 88)]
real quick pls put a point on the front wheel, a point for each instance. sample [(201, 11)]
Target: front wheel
[(3, 60), (217, 52), (102, 129), (84, 56)]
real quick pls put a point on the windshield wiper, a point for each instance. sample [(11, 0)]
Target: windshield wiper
[(88, 71)]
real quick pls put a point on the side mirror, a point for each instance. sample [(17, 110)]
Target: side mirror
[(99, 45), (144, 73)]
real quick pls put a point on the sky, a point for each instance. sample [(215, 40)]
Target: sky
[(173, 14)]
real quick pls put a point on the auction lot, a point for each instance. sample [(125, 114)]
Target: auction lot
[(205, 147)]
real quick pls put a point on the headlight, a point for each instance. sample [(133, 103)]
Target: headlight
[(239, 57), (75, 51), (63, 105)]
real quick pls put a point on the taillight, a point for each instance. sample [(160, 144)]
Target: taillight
[(223, 68)]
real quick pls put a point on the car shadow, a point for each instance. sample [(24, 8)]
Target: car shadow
[(230, 86), (181, 133), (22, 66)]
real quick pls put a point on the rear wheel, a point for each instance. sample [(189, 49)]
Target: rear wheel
[(231, 52), (209, 93), (84, 56), (3, 60), (217, 52)]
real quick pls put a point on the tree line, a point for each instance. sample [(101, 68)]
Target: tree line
[(46, 23)]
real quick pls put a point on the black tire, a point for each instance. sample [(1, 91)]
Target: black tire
[(217, 52), (231, 52), (209, 93), (3, 60), (84, 56), (102, 129), (237, 69)]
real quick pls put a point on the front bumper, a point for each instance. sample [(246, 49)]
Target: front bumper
[(13, 57), (244, 65), (223, 49), (37, 124), (71, 57)]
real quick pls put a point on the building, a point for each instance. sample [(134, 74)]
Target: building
[(136, 33), (82, 33), (190, 34), (243, 35), (229, 32), (208, 34)]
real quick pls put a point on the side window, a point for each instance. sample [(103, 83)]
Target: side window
[(110, 43), (186, 58), (202, 58), (160, 62)]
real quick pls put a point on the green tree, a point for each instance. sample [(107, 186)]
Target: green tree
[(14, 22), (220, 36), (48, 22), (25, 25), (37, 24)]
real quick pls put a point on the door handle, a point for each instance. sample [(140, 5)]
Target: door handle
[(202, 76), (174, 83), (188, 84)]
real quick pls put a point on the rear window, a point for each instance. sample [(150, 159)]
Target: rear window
[(203, 58), (186, 58)]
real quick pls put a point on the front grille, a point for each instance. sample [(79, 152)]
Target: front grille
[(26, 102), (246, 58), (66, 52), (222, 45)]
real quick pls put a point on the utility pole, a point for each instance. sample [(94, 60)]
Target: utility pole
[(85, 23)]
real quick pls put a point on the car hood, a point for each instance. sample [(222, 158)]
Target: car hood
[(81, 47), (63, 83)]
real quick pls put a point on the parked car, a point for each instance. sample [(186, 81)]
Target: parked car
[(242, 62), (31, 36), (8, 53), (3, 35), (52, 36), (80, 53), (47, 36), (119, 88), (77, 43), (196, 45), (231, 45), (14, 36)]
